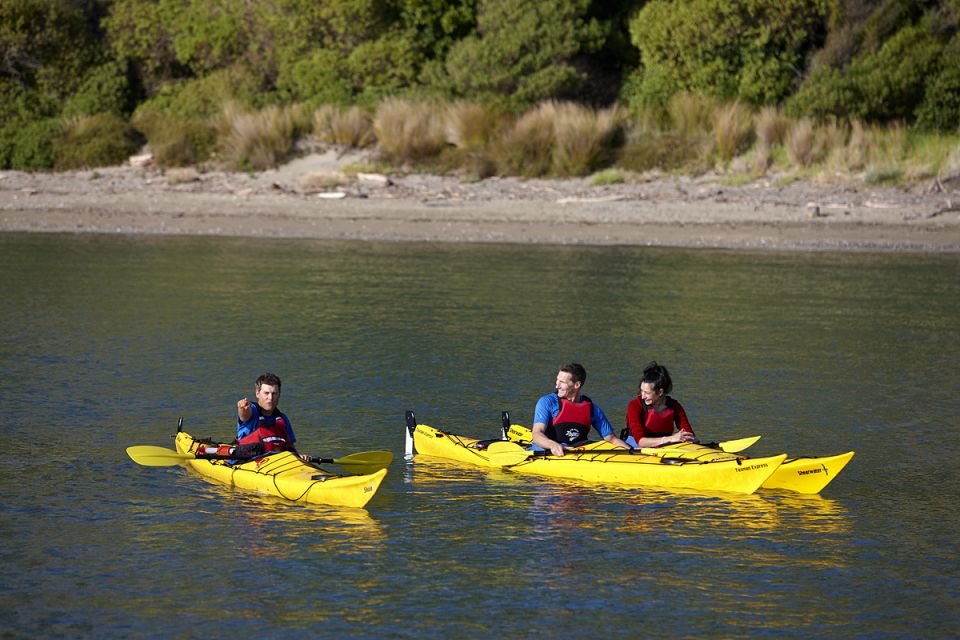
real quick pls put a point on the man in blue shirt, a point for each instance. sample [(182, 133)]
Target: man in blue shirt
[(563, 419)]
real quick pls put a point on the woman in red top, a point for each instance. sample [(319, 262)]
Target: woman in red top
[(653, 417)]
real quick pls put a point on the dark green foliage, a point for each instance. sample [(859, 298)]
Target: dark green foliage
[(315, 80), (175, 142), (522, 53), (750, 50), (204, 98), (666, 151), (101, 140), (940, 109), (105, 89), (32, 148), (879, 86), (46, 44)]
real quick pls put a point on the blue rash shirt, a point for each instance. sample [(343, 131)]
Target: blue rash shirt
[(253, 423), (548, 408)]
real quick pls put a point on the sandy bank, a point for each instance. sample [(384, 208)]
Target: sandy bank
[(657, 210)]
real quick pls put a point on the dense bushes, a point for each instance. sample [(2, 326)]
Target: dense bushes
[(497, 73), (749, 50)]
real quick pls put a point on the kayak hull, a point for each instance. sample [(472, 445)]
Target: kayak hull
[(286, 476), (731, 474), (808, 475)]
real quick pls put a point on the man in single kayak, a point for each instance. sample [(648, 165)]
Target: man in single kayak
[(563, 419), (653, 417), (261, 427)]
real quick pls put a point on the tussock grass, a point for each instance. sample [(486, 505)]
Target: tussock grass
[(350, 127), (100, 140), (561, 139), (801, 143), (584, 139), (691, 114), (261, 140), (471, 127), (771, 127), (733, 129), (664, 150), (409, 131), (526, 148)]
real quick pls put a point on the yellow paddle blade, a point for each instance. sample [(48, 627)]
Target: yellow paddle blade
[(505, 454), (374, 460), (150, 456), (733, 446)]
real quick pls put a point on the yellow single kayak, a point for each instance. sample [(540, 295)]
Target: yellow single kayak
[(732, 473), (800, 474), (286, 476)]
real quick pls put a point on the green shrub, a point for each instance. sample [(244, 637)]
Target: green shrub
[(315, 80), (667, 151), (33, 145), (940, 109), (175, 142), (522, 53), (748, 50), (205, 97), (106, 89), (878, 86), (101, 140)]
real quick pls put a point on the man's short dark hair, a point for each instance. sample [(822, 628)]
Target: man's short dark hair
[(268, 378), (576, 370)]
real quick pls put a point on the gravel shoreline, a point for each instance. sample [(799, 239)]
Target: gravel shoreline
[(654, 210)]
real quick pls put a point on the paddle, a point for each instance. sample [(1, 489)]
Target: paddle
[(506, 454), (151, 456), (522, 434)]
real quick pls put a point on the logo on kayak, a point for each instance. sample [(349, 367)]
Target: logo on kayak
[(822, 469), (368, 489), (752, 467)]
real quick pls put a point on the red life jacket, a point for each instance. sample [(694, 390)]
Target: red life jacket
[(272, 434), (573, 422), (659, 424)]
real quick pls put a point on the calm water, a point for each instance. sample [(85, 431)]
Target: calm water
[(105, 341)]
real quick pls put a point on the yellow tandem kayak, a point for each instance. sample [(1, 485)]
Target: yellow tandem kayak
[(801, 474), (286, 476), (733, 474)]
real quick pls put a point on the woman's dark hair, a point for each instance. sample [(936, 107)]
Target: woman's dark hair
[(658, 376)]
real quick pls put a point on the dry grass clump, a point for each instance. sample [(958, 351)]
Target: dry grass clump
[(733, 130), (801, 143), (561, 139), (771, 127), (350, 127), (526, 148), (585, 139), (100, 140), (261, 140), (409, 131), (471, 127), (691, 114), (663, 150)]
